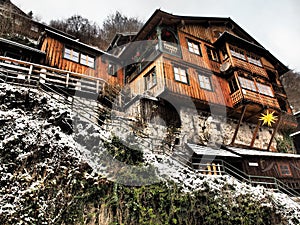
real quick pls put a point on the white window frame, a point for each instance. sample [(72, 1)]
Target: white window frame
[(194, 47), (247, 84), (180, 74), (264, 89), (150, 79), (71, 54), (205, 82)]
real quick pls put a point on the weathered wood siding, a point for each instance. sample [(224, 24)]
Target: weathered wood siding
[(219, 95), (203, 60), (137, 86), (268, 166), (54, 57)]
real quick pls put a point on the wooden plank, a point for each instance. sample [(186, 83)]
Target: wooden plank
[(238, 125)]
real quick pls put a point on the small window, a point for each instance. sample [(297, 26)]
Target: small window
[(212, 54), (112, 69), (265, 89), (205, 82), (284, 169), (71, 55), (233, 85), (87, 60), (194, 47), (34, 28), (254, 59), (238, 53), (150, 79), (247, 84), (180, 75)]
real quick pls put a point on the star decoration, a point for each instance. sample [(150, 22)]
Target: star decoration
[(268, 118)]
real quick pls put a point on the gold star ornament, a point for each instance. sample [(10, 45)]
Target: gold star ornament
[(268, 118)]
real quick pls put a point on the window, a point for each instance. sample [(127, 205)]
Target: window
[(194, 47), (212, 54), (265, 89), (150, 79), (71, 55), (254, 59), (180, 74), (34, 28), (233, 85), (247, 84), (87, 60), (284, 169), (205, 82), (238, 53), (112, 69)]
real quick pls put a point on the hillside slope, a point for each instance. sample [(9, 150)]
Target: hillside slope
[(46, 177)]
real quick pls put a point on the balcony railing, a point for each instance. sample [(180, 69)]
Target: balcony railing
[(255, 97)]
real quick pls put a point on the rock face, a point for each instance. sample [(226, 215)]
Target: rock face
[(201, 128)]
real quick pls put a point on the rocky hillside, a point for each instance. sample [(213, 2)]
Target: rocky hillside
[(291, 83), (48, 177)]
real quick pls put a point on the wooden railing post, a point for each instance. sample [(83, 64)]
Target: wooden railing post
[(67, 80)]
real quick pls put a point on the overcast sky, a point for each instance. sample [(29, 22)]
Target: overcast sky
[(273, 23)]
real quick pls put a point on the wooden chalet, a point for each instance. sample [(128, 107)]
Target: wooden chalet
[(213, 62), (210, 60), (68, 53)]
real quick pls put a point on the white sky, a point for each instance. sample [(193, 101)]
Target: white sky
[(273, 23)]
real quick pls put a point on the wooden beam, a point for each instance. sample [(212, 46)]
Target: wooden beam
[(239, 124), (275, 131), (255, 133)]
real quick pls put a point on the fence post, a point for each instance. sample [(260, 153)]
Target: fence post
[(29, 73), (67, 80)]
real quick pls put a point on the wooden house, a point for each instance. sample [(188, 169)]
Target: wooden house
[(213, 63), (65, 52)]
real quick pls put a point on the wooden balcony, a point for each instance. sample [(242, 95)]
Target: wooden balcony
[(254, 97), (254, 69)]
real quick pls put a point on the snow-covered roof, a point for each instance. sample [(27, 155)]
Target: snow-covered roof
[(205, 150), (6, 41), (242, 151)]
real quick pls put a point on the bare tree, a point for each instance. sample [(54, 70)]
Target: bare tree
[(118, 23)]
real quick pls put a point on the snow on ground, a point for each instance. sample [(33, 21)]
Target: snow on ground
[(41, 144)]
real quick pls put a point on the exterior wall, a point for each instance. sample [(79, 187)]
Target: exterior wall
[(269, 167), (137, 86), (201, 61), (54, 57), (219, 95), (202, 128)]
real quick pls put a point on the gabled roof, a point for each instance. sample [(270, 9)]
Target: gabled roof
[(16, 44), (121, 39), (228, 37), (251, 152), (209, 151), (74, 41), (160, 16)]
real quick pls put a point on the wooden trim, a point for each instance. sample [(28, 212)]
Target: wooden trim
[(238, 125)]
